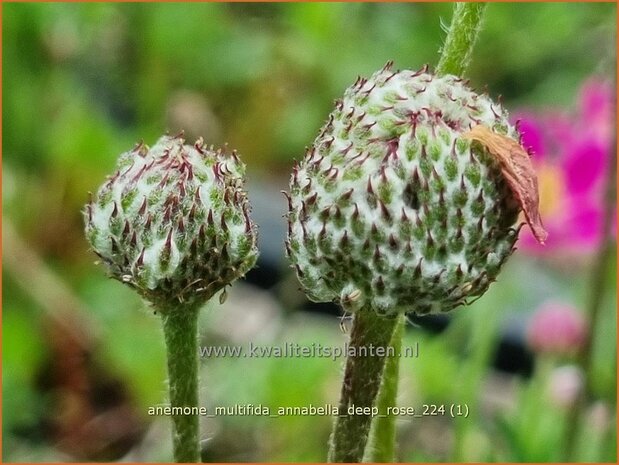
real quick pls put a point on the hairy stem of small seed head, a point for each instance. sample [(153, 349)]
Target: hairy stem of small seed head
[(382, 441), (369, 341), (180, 329), (465, 26)]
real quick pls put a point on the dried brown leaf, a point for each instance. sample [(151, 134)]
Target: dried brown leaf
[(518, 170)]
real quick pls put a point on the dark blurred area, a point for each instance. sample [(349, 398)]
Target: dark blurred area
[(83, 357)]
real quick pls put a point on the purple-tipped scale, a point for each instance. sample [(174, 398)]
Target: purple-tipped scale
[(403, 213)]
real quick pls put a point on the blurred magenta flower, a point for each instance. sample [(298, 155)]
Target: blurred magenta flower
[(557, 328), (571, 153)]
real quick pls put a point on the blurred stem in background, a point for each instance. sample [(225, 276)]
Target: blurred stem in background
[(483, 331), (51, 293), (351, 434), (597, 292), (382, 441)]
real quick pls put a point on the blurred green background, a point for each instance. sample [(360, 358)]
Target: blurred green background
[(82, 360)]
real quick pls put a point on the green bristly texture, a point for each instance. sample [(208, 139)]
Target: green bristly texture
[(381, 445), (180, 328), (362, 380), (465, 25)]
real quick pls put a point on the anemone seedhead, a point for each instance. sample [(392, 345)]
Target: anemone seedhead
[(173, 221), (392, 207)]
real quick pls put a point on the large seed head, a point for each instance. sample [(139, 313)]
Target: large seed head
[(391, 208), (173, 221)]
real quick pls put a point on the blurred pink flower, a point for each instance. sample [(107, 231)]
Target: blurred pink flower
[(557, 328), (600, 417), (571, 154), (565, 385)]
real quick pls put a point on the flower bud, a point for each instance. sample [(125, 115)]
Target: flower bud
[(173, 221), (392, 207), (557, 329)]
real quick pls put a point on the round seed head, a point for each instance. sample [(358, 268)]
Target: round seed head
[(173, 221), (392, 208)]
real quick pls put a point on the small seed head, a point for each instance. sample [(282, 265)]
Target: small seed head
[(173, 222)]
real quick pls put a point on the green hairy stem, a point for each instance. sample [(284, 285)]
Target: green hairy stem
[(180, 328), (362, 380), (465, 26)]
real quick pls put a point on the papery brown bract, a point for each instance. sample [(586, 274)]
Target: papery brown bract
[(517, 168)]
